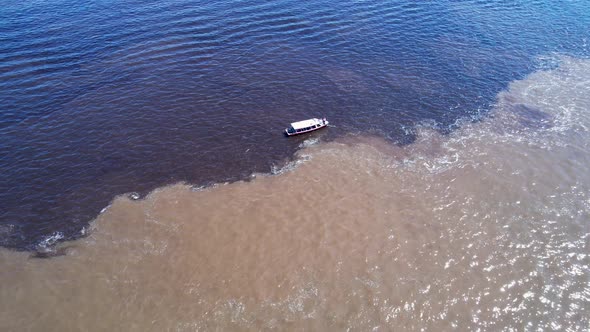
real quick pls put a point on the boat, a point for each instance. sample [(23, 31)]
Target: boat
[(305, 126)]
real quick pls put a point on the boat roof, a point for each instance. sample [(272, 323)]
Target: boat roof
[(304, 123)]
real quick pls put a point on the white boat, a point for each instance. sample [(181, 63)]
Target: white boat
[(305, 126)]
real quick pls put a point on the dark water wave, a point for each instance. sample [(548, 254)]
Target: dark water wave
[(106, 98)]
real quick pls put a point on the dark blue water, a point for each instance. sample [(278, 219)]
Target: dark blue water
[(102, 98)]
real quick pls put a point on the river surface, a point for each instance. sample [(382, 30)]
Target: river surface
[(146, 183)]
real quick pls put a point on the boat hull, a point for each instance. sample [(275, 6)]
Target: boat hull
[(304, 132)]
